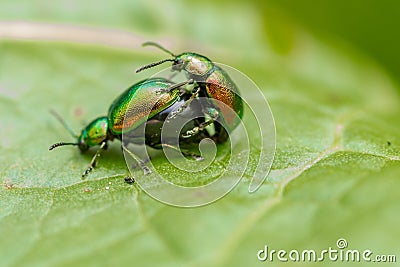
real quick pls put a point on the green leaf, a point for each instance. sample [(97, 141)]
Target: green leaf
[(335, 173)]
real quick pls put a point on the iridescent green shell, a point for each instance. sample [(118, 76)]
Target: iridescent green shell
[(139, 103), (94, 133), (220, 87)]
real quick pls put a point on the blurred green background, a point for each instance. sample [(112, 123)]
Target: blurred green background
[(370, 26), (329, 69)]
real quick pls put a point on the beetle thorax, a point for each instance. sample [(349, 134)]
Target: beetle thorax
[(197, 67)]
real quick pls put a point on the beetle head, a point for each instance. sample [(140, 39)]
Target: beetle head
[(193, 64), (93, 134)]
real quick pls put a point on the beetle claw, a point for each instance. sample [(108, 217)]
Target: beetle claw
[(197, 157), (146, 170), (141, 163), (87, 171), (129, 180)]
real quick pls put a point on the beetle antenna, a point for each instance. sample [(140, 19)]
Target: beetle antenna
[(62, 144), (62, 121), (148, 66), (159, 47)]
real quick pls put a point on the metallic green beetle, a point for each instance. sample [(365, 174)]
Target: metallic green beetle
[(147, 103), (213, 81), (132, 108)]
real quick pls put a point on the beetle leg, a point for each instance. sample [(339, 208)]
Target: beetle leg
[(197, 129), (147, 159), (175, 113), (93, 163), (129, 180), (141, 163), (213, 113), (175, 86), (186, 153)]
